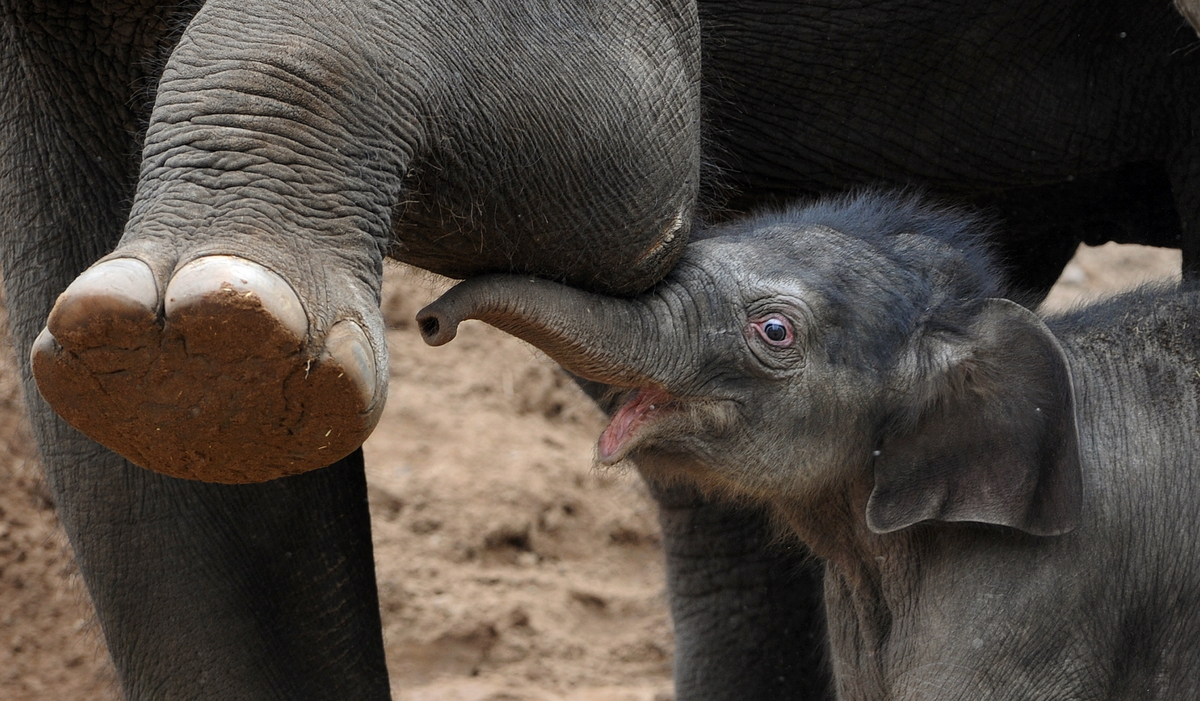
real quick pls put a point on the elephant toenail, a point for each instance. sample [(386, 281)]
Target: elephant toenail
[(230, 275), (347, 348), (45, 345), (118, 289)]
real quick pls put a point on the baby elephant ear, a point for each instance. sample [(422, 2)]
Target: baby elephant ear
[(991, 436)]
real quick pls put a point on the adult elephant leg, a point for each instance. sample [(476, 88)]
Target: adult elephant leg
[(289, 150), (262, 591), (200, 591), (746, 606), (219, 332), (207, 591)]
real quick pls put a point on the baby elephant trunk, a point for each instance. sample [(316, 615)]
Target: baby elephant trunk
[(603, 339)]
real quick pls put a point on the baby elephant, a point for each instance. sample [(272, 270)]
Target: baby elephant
[(1008, 507)]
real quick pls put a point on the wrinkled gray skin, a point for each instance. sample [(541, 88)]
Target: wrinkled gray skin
[(240, 308), (1003, 503), (251, 195), (293, 146)]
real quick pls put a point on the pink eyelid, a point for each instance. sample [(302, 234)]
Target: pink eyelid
[(759, 325)]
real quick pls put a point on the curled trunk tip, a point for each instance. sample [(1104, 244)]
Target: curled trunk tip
[(437, 327)]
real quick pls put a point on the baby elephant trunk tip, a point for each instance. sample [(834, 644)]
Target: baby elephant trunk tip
[(590, 335), (437, 327)]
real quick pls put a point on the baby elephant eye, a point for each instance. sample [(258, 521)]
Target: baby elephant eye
[(775, 330)]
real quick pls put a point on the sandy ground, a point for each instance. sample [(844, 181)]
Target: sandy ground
[(509, 568)]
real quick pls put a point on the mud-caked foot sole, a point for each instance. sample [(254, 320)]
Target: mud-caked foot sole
[(220, 381)]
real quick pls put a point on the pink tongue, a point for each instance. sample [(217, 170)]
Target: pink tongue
[(628, 418)]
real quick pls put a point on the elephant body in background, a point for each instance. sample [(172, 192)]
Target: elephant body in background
[(1003, 504), (1036, 111), (217, 152)]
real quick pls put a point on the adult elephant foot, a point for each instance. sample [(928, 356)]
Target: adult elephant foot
[(220, 375)]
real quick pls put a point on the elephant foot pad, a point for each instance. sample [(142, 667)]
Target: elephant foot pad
[(220, 383)]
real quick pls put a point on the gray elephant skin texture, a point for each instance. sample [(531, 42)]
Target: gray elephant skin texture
[(1003, 503), (234, 335), (243, 168), (240, 170)]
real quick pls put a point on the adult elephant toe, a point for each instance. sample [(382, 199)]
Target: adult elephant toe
[(207, 379)]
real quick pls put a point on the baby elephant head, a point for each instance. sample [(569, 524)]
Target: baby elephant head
[(791, 354)]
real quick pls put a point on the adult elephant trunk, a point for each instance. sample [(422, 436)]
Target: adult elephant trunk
[(621, 342)]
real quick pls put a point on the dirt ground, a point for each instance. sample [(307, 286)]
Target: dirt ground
[(509, 568)]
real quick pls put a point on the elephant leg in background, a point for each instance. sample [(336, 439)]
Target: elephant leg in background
[(201, 591), (746, 605)]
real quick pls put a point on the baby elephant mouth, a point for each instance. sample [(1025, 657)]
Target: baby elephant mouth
[(644, 408)]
